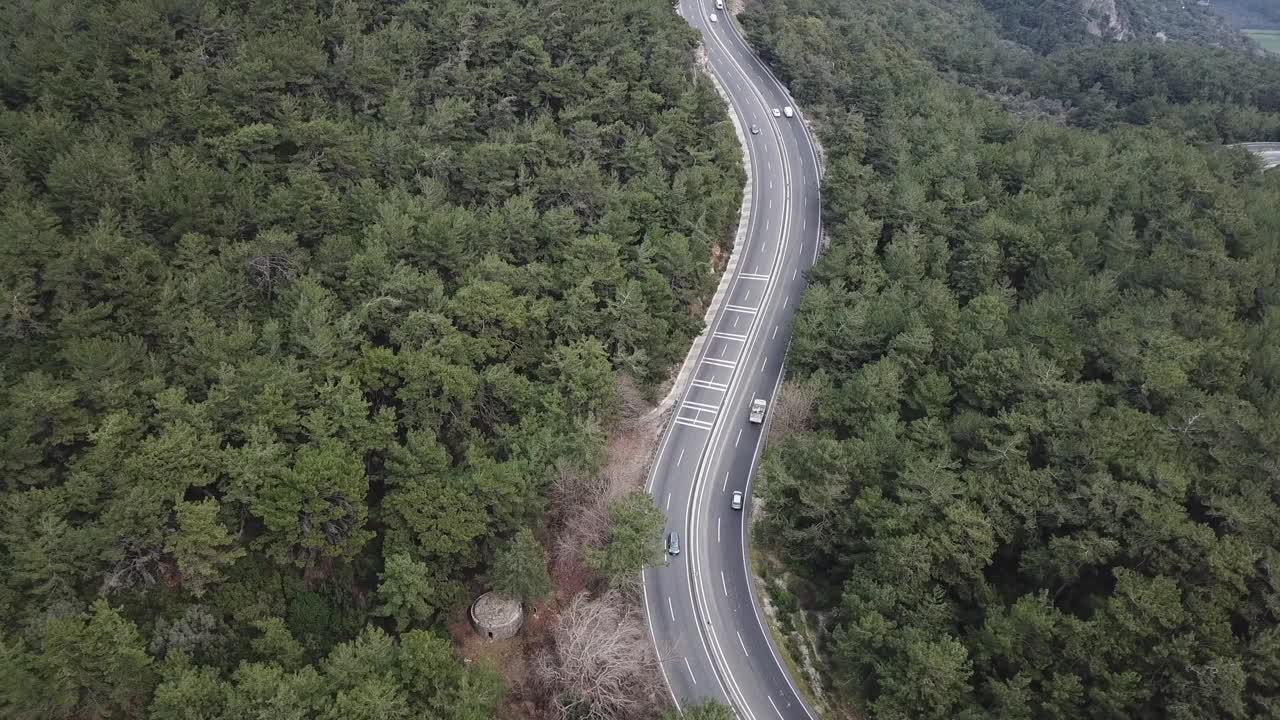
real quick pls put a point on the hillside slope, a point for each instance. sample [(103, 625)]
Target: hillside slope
[(305, 306), (1037, 479), (1046, 26), (1264, 14)]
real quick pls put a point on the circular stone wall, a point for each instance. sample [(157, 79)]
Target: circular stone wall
[(496, 617)]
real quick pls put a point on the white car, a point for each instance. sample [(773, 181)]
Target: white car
[(713, 17), (758, 409), (735, 501), (777, 113), (788, 111), (719, 4)]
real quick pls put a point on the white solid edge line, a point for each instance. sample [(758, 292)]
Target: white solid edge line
[(714, 642), (746, 569), (644, 590), (813, 153)]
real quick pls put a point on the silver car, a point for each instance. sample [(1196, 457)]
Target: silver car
[(673, 543), (735, 501)]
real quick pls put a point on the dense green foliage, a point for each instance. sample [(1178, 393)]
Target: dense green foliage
[(302, 303), (1040, 482), (520, 569), (1207, 95), (1047, 25), (705, 710), (635, 539)]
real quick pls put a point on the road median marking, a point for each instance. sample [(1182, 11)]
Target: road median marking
[(715, 444), (701, 407), (699, 424)]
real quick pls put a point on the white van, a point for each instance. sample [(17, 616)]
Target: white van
[(788, 111)]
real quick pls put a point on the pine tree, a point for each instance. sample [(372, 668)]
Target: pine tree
[(520, 569), (408, 592)]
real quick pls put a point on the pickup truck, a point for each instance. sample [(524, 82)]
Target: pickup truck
[(758, 408)]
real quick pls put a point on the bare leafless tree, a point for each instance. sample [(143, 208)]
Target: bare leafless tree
[(579, 519), (573, 489), (335, 528), (793, 409), (269, 271), (138, 567), (600, 665), (19, 314), (631, 400)]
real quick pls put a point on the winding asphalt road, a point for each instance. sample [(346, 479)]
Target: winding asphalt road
[(1268, 152), (706, 624)]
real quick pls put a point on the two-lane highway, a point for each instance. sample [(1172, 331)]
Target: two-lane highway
[(706, 624)]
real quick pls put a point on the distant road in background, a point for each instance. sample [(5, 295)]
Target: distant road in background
[(1269, 152)]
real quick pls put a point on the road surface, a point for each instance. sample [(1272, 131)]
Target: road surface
[(1268, 152), (706, 625)]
